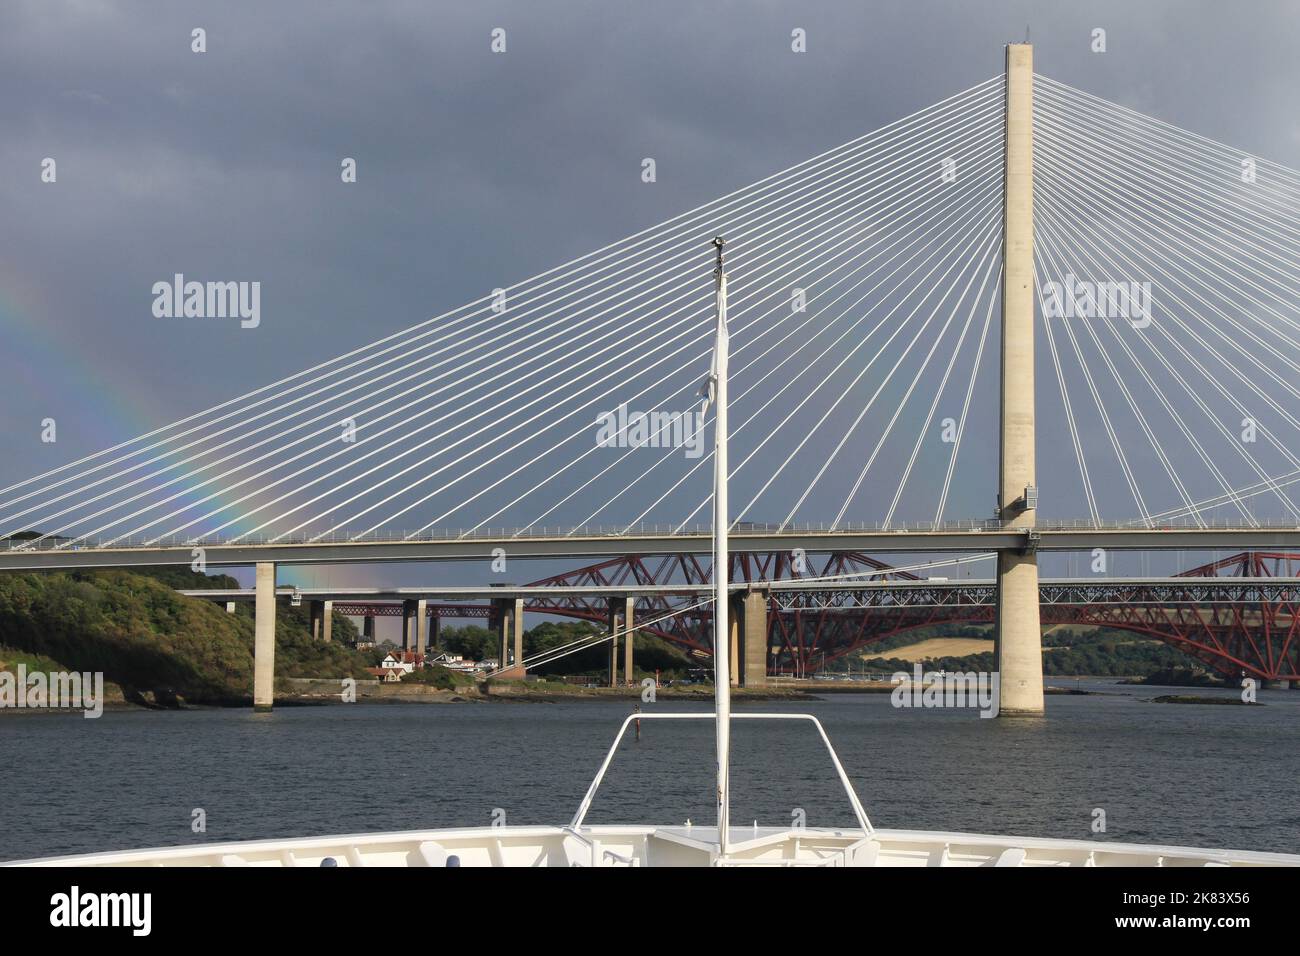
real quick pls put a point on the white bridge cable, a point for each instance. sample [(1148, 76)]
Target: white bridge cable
[(970, 249), (1066, 132), (1191, 244), (991, 258), (1107, 425), (1152, 231), (702, 212), (275, 440), (934, 404), (579, 432), (1166, 189), (1270, 485), (1201, 193), (332, 442), (1188, 254), (1174, 207), (427, 497), (965, 408), (1181, 192), (1056, 246), (1289, 183), (988, 206), (989, 210), (369, 388), (1039, 273), (773, 283), (1234, 496), (978, 93), (1058, 243), (512, 334), (936, 192), (1212, 379), (1279, 192), (1174, 257), (1054, 256), (574, 411), (1049, 195), (796, 328), (738, 370), (954, 215), (279, 447)]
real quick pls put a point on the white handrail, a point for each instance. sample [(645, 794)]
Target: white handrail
[(858, 810), (598, 852)]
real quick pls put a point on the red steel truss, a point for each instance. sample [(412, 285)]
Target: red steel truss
[(1222, 614)]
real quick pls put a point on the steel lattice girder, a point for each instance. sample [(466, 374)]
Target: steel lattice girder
[(1233, 627), (1225, 614)]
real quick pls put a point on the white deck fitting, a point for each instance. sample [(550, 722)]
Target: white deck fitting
[(614, 846)]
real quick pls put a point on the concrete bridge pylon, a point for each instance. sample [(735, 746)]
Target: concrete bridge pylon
[(1018, 632)]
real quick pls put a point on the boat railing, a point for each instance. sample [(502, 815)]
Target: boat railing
[(864, 823), (599, 853), (842, 857)]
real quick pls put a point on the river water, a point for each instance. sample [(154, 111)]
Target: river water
[(1162, 773)]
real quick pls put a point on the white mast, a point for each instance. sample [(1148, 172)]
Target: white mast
[(721, 561)]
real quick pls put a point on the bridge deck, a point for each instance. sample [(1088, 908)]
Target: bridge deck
[(946, 539)]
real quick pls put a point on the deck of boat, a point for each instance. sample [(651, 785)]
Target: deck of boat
[(615, 846)]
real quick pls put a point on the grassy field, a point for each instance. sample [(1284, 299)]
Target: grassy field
[(941, 647)]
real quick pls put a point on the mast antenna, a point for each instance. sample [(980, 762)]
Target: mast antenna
[(717, 393)]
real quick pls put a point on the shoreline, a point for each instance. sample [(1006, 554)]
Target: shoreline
[(320, 692), (328, 695)]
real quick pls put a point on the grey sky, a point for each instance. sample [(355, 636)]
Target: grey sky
[(474, 170)]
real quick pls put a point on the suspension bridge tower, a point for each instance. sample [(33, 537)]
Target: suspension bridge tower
[(1018, 635)]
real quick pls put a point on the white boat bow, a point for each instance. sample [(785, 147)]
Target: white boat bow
[(622, 846)]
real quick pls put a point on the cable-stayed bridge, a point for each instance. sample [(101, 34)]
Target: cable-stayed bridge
[(559, 416)]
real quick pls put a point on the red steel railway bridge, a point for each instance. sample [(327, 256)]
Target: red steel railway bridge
[(1237, 616)]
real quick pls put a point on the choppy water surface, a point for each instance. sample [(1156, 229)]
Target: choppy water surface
[(1179, 774)]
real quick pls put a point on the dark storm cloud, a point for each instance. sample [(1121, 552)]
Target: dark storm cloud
[(474, 170)]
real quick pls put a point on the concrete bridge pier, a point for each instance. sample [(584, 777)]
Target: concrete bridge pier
[(615, 629), (368, 629), (264, 638), (629, 618), (509, 616), (415, 625), (421, 627), (517, 621), (749, 628), (1018, 632), (322, 619), (435, 632), (500, 620)]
